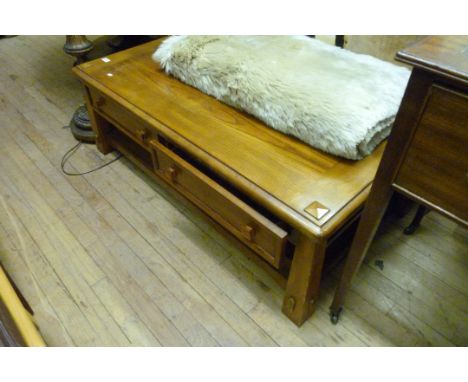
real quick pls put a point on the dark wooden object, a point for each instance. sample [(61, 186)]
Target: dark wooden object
[(426, 156), (340, 41)]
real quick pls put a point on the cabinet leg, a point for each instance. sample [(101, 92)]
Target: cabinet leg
[(416, 220), (368, 224), (406, 121), (304, 279)]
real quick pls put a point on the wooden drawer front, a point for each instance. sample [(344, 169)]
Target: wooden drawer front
[(436, 165), (123, 119), (255, 230)]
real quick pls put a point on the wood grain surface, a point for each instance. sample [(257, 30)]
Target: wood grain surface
[(279, 172)]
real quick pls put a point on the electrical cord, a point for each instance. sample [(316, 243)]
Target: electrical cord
[(72, 151)]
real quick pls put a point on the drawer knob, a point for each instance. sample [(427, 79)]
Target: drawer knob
[(249, 232), (142, 134), (172, 174), (100, 102)]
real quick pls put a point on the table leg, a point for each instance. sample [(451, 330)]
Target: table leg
[(99, 126), (304, 279)]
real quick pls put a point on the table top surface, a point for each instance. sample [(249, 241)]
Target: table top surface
[(284, 168), (446, 55)]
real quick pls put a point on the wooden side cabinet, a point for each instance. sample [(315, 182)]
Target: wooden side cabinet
[(427, 153)]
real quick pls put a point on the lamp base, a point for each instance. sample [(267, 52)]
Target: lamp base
[(80, 126)]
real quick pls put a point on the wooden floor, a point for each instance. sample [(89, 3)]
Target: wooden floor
[(113, 259)]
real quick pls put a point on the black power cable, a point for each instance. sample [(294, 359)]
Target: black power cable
[(72, 151)]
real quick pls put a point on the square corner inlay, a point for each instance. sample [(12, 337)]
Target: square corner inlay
[(317, 210)]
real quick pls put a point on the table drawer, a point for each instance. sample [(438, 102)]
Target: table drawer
[(121, 118), (247, 224), (436, 164)]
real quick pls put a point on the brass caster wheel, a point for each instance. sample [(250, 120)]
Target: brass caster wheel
[(335, 316)]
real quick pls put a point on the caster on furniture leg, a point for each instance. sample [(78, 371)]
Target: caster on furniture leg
[(335, 315)]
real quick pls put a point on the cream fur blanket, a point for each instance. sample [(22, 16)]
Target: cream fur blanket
[(335, 100)]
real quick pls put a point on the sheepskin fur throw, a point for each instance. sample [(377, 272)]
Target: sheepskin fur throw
[(335, 100)]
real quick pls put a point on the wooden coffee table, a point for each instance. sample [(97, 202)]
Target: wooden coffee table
[(283, 199)]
